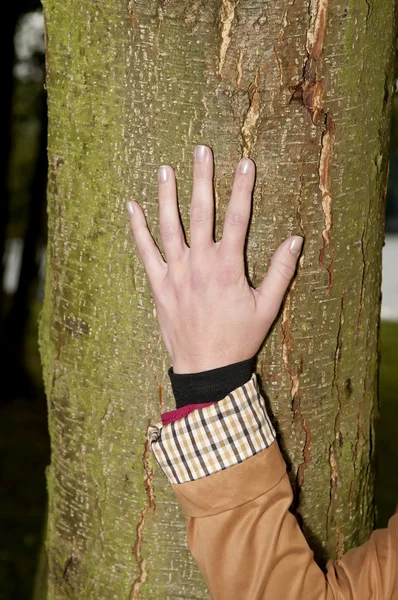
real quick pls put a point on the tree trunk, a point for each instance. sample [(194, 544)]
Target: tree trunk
[(305, 89)]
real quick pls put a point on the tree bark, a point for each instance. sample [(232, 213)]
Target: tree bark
[(304, 88)]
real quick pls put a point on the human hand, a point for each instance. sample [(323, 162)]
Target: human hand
[(209, 316)]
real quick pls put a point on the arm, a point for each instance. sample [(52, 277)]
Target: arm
[(222, 460), (240, 531)]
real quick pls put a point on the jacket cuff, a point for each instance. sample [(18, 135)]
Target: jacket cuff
[(239, 484), (211, 385), (216, 437)]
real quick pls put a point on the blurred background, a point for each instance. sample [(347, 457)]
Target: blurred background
[(24, 442)]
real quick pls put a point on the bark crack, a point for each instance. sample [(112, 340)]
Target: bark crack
[(365, 262), (295, 394), (239, 68), (252, 115), (300, 196), (325, 185), (316, 30), (364, 268), (334, 481), (132, 19), (369, 11), (356, 452), (334, 473), (287, 345), (285, 22), (279, 63), (149, 473), (309, 91), (299, 202), (340, 546), (337, 354), (204, 102), (306, 449), (161, 389), (227, 15), (68, 569), (331, 272), (364, 265)]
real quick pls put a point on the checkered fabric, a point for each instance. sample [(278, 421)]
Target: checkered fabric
[(213, 438)]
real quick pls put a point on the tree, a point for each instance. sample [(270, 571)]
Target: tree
[(304, 89)]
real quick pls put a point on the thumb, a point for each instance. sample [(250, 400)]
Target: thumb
[(280, 273)]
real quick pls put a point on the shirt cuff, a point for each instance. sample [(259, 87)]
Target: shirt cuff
[(209, 386), (211, 439), (179, 413)]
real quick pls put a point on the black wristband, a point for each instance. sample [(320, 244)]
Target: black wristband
[(209, 386)]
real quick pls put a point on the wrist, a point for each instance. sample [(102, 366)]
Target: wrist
[(181, 367)]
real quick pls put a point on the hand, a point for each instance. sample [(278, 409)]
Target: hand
[(208, 314)]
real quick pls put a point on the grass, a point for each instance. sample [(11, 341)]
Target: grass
[(387, 427)]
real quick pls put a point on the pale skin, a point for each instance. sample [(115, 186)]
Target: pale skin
[(209, 316)]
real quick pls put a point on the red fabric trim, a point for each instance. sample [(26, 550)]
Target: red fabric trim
[(179, 413)]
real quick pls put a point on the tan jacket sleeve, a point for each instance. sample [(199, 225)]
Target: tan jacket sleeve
[(249, 546), (236, 495)]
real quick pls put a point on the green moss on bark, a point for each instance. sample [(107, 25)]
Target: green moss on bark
[(135, 85)]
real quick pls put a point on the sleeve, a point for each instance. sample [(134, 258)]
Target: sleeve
[(211, 385), (228, 474)]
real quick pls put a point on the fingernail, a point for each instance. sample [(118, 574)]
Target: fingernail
[(130, 207), (296, 245), (200, 153), (244, 165), (163, 174)]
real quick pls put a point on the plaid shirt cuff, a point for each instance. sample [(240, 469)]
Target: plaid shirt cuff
[(213, 438)]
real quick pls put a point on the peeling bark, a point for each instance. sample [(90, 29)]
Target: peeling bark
[(325, 186), (251, 117), (149, 473), (133, 85), (227, 13)]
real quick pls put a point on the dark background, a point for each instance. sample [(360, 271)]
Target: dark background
[(24, 442)]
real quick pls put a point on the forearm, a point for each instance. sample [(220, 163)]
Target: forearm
[(251, 547), (240, 531)]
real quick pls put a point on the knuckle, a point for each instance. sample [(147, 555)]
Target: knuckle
[(227, 274), (168, 231), (201, 175), (284, 269), (144, 252), (199, 214), (236, 218)]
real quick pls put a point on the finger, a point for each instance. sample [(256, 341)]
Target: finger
[(238, 210), (280, 273), (171, 231), (152, 260), (202, 204)]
